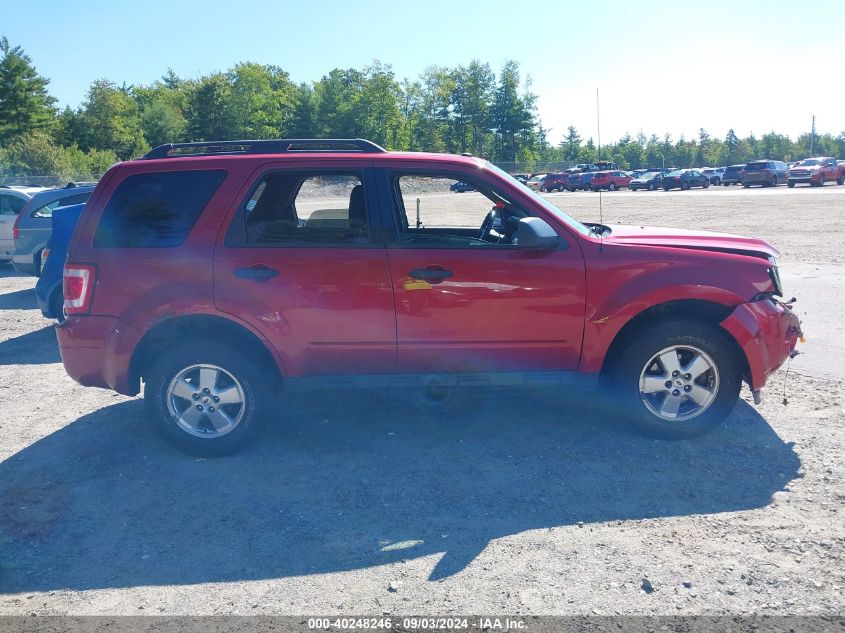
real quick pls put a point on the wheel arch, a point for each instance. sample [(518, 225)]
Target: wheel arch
[(168, 332), (709, 312)]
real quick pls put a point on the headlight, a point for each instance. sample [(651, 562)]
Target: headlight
[(775, 276)]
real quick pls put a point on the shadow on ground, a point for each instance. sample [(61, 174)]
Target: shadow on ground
[(352, 483), (18, 300), (6, 270), (34, 348)]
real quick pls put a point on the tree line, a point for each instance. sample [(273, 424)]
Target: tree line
[(467, 108)]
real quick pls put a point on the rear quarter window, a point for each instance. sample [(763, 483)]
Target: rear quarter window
[(156, 209), (46, 210)]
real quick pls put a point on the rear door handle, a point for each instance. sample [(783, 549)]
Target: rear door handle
[(258, 273), (431, 274)]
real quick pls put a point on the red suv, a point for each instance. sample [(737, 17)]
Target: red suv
[(217, 274), (610, 180)]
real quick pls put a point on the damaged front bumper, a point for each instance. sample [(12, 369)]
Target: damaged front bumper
[(767, 331)]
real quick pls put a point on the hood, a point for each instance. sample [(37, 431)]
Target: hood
[(807, 167), (697, 240)]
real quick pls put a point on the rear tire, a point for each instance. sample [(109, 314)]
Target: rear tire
[(706, 184), (611, 186), (685, 186), (189, 377), (841, 180), (638, 387), (791, 185), (717, 182)]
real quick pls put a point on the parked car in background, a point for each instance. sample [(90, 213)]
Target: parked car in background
[(606, 165), (535, 182), (581, 167), (732, 175), (817, 171), (649, 180), (12, 199), (242, 280), (554, 182), (610, 180), (685, 179), (580, 181), (48, 288), (33, 226), (461, 187), (766, 173), (714, 174)]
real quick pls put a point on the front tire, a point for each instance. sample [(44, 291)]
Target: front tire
[(678, 379), (611, 186), (206, 398)]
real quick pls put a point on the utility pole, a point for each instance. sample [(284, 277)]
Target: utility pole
[(813, 138)]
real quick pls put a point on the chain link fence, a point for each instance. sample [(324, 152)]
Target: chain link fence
[(537, 167), (46, 180)]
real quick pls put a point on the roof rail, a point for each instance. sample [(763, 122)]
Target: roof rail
[(272, 146)]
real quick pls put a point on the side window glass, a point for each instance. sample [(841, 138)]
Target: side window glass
[(439, 212), (46, 211), (295, 208), (10, 205), (155, 209)]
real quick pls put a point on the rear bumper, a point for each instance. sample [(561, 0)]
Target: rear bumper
[(96, 351), (767, 333)]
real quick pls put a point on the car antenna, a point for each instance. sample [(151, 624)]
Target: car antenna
[(598, 133)]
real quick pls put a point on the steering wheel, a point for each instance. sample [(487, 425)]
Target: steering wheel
[(487, 225)]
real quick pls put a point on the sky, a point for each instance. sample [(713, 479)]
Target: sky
[(658, 67)]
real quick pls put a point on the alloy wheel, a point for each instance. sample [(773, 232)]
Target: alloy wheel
[(206, 401), (679, 383)]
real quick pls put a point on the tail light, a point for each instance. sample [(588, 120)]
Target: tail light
[(45, 254), (78, 287), (16, 232)]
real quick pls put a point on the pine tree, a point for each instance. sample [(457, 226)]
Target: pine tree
[(25, 105)]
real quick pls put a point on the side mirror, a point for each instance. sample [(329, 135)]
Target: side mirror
[(536, 234)]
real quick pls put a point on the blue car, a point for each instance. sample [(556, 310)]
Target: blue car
[(48, 290)]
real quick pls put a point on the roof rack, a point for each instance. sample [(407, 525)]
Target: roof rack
[(273, 146)]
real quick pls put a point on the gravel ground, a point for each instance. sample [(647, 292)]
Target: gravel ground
[(508, 503)]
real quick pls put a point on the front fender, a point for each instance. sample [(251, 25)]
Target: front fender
[(767, 334), (604, 322)]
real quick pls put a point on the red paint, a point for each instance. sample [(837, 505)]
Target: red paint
[(604, 180), (337, 310)]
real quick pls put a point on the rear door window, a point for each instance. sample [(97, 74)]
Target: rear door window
[(156, 209), (304, 209)]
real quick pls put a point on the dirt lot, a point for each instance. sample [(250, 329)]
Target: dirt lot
[(506, 503)]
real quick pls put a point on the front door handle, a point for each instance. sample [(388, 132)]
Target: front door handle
[(258, 273), (431, 274)]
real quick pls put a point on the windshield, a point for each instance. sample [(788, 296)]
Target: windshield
[(536, 179), (677, 172), (756, 166), (650, 174), (733, 169), (548, 206), (809, 162)]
